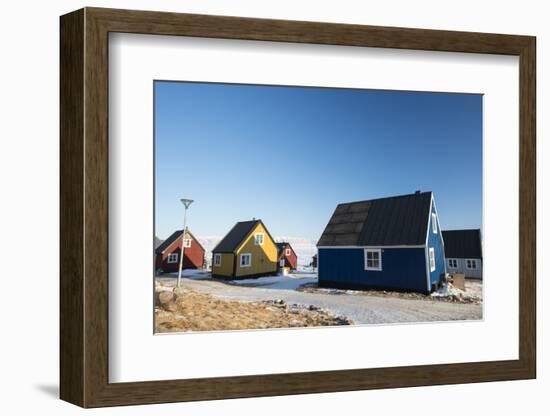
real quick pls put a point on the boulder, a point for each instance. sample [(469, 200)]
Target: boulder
[(170, 306), (180, 292), (164, 297)]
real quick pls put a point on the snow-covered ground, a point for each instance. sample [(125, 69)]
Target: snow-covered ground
[(359, 306), (289, 282), (193, 274), (292, 281)]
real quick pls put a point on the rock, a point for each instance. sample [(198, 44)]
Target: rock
[(178, 291), (164, 297), (170, 307)]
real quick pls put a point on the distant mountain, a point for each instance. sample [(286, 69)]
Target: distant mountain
[(305, 248), (209, 242)]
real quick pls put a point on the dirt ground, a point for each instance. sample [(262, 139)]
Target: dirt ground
[(473, 293), (188, 310)]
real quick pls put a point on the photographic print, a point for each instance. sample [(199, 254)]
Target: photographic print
[(293, 207), (325, 180)]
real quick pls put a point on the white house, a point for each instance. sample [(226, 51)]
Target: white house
[(463, 252)]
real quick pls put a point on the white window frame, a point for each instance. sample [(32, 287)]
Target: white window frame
[(474, 262), (431, 256), (244, 255), (450, 262), (378, 251), (187, 242), (434, 222), (258, 243), (217, 260), (288, 252), (172, 258)]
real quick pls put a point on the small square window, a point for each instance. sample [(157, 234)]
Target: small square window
[(187, 243), (432, 259), (471, 264), (246, 260), (259, 239), (453, 263), (373, 259), (287, 252), (173, 258)]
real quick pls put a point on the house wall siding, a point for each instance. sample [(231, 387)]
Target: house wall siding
[(435, 240), (292, 260), (226, 268), (193, 257), (469, 273), (402, 269), (264, 257)]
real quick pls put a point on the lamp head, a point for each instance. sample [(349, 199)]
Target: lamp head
[(186, 202)]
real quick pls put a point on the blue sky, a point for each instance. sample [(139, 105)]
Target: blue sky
[(289, 155)]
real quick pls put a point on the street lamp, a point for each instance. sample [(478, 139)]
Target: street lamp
[(186, 203)]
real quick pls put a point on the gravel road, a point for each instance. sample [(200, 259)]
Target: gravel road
[(362, 309)]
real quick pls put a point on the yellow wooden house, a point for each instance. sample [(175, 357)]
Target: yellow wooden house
[(247, 251)]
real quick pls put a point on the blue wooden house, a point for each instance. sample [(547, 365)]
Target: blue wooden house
[(390, 243)]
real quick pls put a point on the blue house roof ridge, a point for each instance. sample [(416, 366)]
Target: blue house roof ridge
[(400, 220), (385, 197)]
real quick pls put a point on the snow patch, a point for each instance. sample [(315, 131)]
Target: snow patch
[(279, 282), (193, 274)]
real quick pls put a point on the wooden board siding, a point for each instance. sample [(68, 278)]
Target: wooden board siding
[(435, 240), (264, 257), (290, 261), (193, 257), (226, 268), (402, 269), (461, 268)]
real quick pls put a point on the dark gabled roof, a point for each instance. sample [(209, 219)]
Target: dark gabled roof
[(462, 244), (397, 220), (281, 246), (236, 235), (173, 237)]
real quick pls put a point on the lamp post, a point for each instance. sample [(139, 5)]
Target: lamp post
[(186, 203)]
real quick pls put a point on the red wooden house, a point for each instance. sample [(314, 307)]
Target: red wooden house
[(287, 256), (168, 253)]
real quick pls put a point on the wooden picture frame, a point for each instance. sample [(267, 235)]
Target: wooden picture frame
[(84, 207)]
